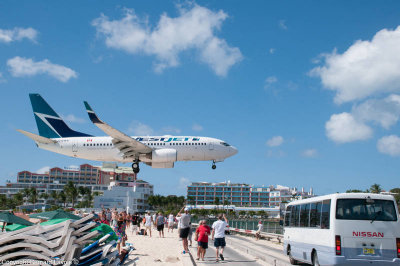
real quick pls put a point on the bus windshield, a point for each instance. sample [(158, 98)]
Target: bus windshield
[(365, 209)]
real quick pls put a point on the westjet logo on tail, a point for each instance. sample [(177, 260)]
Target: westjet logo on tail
[(368, 234)]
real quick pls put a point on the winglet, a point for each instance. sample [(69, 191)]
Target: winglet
[(92, 115)]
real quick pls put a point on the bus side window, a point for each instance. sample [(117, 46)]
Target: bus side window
[(325, 214), (294, 216), (315, 214), (304, 215), (297, 216), (287, 215)]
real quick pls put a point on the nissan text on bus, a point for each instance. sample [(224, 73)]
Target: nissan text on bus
[(343, 229)]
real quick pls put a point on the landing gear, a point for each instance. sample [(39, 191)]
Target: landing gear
[(135, 166), (213, 166)]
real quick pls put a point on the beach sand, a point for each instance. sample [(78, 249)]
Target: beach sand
[(157, 251)]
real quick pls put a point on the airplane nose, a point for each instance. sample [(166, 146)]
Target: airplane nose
[(233, 150)]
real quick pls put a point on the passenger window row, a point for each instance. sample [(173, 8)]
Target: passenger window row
[(152, 144), (97, 144), (315, 214)]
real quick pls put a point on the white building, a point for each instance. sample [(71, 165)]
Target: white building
[(125, 195)]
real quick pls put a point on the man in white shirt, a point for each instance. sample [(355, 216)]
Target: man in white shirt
[(171, 222), (148, 222), (218, 235), (184, 227)]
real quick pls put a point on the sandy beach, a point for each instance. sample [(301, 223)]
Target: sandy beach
[(155, 250)]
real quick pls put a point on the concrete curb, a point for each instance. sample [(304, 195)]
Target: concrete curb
[(188, 260), (267, 258)]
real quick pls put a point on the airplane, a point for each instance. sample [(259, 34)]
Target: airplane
[(156, 151)]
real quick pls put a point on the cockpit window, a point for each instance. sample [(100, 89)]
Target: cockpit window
[(225, 144)]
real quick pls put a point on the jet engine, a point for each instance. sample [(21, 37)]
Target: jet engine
[(163, 156)]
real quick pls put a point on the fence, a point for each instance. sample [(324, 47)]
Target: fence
[(270, 227)]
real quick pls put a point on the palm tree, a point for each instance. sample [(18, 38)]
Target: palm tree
[(353, 191), (44, 196), (33, 195), (18, 198), (82, 191), (397, 195), (97, 193), (216, 201), (376, 188), (26, 193), (3, 201), (62, 197), (54, 196), (71, 192)]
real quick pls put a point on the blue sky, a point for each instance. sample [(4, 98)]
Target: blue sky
[(307, 91)]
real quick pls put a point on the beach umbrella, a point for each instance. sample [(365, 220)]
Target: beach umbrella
[(54, 221), (9, 218), (13, 227), (57, 214)]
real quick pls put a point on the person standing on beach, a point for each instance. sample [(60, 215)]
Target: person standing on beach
[(160, 220), (171, 222), (119, 230), (135, 222), (218, 235), (260, 229), (108, 215), (201, 236), (154, 220), (184, 227), (148, 222), (114, 218)]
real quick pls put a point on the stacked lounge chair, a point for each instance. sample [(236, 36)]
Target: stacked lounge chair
[(57, 244)]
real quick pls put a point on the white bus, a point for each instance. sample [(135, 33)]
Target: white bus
[(343, 229)]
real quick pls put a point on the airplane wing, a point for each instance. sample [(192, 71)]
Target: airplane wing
[(127, 145)]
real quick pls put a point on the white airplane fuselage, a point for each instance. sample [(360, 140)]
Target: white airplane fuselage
[(188, 148)]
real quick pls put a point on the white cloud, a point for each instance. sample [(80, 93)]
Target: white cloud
[(193, 29), (73, 119), (17, 34), (43, 170), (22, 67), (275, 141), (183, 183), (366, 68), (310, 153), (197, 127), (385, 112), (343, 128), (171, 130), (269, 81), (140, 129), (389, 145), (282, 24), (272, 50), (348, 127)]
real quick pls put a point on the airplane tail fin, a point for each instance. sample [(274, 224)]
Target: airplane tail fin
[(49, 123)]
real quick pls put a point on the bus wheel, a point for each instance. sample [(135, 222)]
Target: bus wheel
[(315, 259), (291, 259)]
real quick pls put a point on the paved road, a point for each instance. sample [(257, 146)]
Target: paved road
[(232, 257)]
